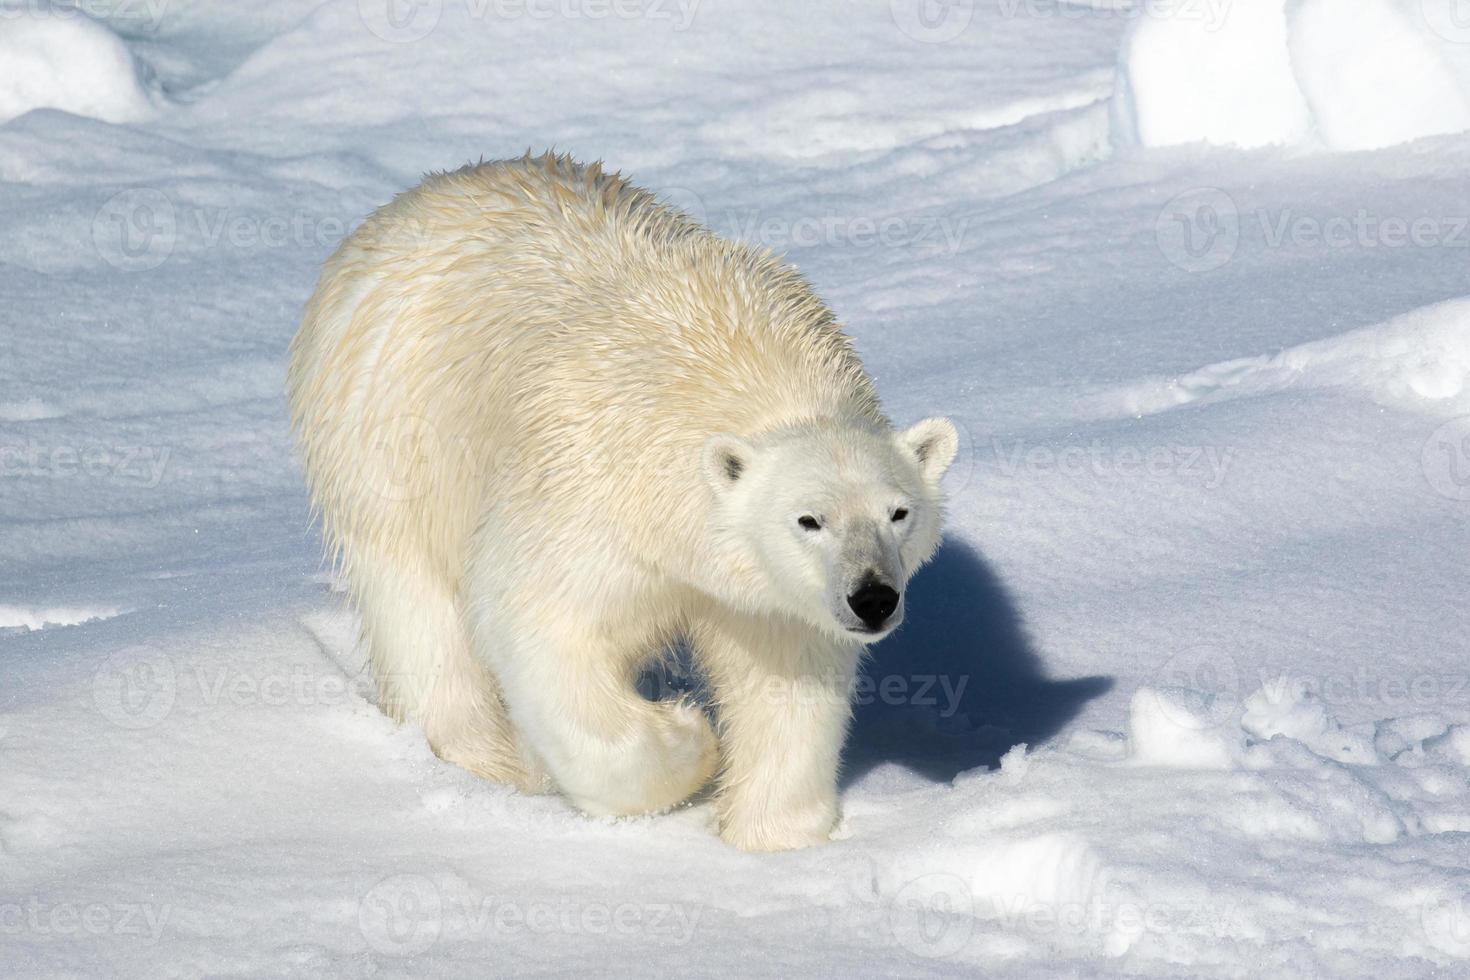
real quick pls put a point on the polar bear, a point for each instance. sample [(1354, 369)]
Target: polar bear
[(552, 426)]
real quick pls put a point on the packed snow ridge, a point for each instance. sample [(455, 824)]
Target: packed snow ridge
[(1312, 73), (1419, 360)]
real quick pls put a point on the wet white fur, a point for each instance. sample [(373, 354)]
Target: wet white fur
[(518, 390)]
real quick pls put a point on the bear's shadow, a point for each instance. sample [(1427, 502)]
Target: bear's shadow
[(954, 688), (959, 683)]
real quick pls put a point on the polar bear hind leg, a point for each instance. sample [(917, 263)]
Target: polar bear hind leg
[(420, 655)]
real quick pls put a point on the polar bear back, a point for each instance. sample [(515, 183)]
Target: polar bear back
[(541, 343)]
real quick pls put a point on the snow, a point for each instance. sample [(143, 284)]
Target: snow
[(1377, 73), (1311, 73), (56, 57), (1185, 693), (1419, 358), (1185, 78)]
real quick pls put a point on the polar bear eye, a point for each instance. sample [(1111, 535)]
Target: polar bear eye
[(809, 522), (900, 514)]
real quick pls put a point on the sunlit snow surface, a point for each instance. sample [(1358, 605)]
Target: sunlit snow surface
[(1209, 529), (1322, 73)]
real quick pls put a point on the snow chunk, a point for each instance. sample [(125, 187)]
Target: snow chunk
[(1356, 76), (1405, 739), (1452, 748), (1015, 763), (1182, 729), (1288, 707), (55, 58)]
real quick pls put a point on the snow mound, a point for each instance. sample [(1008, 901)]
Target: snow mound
[(1357, 76), (54, 58)]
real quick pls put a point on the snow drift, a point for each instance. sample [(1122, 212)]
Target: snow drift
[(1316, 73), (58, 58)]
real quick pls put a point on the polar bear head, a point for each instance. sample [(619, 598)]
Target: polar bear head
[(835, 518)]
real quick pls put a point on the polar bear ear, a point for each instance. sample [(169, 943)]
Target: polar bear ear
[(932, 444), (725, 460)]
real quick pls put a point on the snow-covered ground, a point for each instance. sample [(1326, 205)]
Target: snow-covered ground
[(1187, 691)]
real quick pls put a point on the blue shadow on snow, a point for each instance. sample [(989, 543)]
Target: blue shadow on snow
[(960, 627)]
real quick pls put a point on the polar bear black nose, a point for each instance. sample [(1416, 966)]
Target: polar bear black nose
[(873, 602)]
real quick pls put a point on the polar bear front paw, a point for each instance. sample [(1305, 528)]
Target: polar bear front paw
[(691, 754), (770, 829)]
